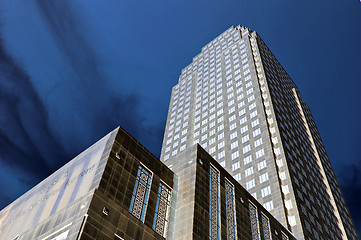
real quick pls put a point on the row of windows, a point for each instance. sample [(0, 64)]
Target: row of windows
[(214, 207), (293, 139), (185, 124), (205, 90)]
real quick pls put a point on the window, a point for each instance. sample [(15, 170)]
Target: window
[(260, 153), (232, 118), (249, 91), (253, 114), (221, 155), (204, 129), (292, 220), (230, 210), (233, 135), (204, 137), (250, 184), (247, 159), (255, 123), (246, 149), (266, 191), (256, 132), (196, 134), (237, 176), (220, 145), (161, 217), (253, 105), (261, 165), (212, 132), (285, 189), (251, 98), (244, 129), (182, 148), (266, 227), (248, 171), (214, 205), (263, 178), (254, 221), (268, 205), (283, 177), (234, 145), (242, 112), (258, 142), (243, 120), (240, 97), (140, 194), (212, 149), (235, 155), (288, 204), (235, 166)]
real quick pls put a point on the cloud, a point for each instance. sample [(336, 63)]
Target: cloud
[(24, 130), (40, 131)]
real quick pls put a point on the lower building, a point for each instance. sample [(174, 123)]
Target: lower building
[(211, 204), (117, 189)]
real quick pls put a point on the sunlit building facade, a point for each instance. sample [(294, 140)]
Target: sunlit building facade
[(118, 190), (236, 100)]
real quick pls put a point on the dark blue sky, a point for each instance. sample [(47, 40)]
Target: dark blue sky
[(71, 71)]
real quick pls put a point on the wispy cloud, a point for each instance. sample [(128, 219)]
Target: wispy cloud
[(41, 128)]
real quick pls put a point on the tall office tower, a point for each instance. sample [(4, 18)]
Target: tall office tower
[(239, 104)]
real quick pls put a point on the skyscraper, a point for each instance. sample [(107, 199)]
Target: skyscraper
[(236, 100)]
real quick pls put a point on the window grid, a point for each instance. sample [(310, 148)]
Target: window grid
[(214, 214), (254, 221), (140, 195), (161, 217), (230, 211), (266, 227)]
